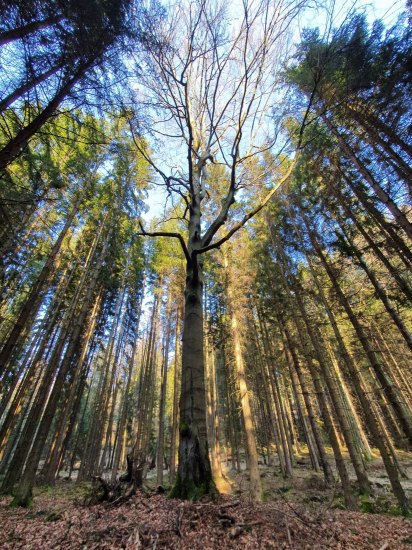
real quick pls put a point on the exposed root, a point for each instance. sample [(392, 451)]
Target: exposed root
[(122, 489)]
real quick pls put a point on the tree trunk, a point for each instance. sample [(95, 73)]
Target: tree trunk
[(33, 300), (23, 493), (255, 483), (402, 412), (28, 85), (17, 143), (25, 30), (300, 407), (379, 291), (125, 404), (398, 215), (194, 475), (162, 402), (315, 430), (175, 411)]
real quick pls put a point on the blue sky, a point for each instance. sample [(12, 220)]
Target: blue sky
[(386, 10)]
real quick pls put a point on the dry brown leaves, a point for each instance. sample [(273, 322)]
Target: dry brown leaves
[(154, 522)]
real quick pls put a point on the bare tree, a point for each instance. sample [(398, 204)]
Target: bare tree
[(211, 91)]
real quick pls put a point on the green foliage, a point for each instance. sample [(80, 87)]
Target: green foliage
[(379, 505), (22, 502)]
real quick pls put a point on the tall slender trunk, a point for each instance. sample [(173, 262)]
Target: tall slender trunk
[(250, 438), (27, 86), (382, 295), (17, 143), (63, 425), (309, 407), (108, 395), (357, 462), (355, 429), (280, 429), (402, 412), (355, 456), (300, 407), (162, 401), (33, 300), (372, 423), (273, 411), (398, 215), (405, 384), (371, 241), (175, 410), (125, 404), (23, 492), (145, 391), (41, 396), (373, 124)]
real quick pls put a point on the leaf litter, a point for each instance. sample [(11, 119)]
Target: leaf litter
[(152, 521)]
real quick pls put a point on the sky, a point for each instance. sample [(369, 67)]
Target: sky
[(387, 10)]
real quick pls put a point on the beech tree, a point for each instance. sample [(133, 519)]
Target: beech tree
[(211, 88)]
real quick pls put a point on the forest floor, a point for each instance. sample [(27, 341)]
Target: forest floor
[(299, 514)]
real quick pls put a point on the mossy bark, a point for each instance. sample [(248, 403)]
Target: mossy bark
[(23, 496)]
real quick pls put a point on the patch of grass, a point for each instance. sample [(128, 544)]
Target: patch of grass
[(65, 489), (188, 490), (35, 515), (338, 504), (267, 495), (378, 505)]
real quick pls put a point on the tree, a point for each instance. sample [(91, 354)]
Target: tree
[(100, 264), (212, 91), (362, 95), (64, 44)]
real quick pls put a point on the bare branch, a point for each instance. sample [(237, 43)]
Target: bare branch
[(253, 212), (178, 236)]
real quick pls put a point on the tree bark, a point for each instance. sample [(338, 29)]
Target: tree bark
[(23, 493), (175, 411), (194, 474), (398, 215), (28, 85), (33, 300), (255, 483), (162, 401)]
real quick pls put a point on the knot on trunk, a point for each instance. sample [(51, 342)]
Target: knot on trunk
[(192, 296), (185, 430)]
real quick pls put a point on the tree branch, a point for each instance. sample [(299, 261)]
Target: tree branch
[(230, 197), (145, 233), (252, 213)]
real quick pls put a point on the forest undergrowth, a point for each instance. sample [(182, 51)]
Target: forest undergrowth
[(297, 513)]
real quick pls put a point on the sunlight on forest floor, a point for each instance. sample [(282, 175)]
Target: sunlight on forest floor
[(310, 484), (298, 513)]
